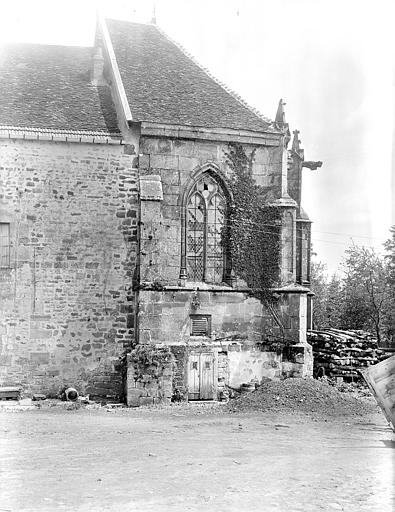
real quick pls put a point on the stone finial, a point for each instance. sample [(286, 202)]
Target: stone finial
[(280, 115), (97, 67), (296, 141), (153, 18)]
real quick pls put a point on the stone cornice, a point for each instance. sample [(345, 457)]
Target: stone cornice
[(211, 134), (291, 288), (284, 202)]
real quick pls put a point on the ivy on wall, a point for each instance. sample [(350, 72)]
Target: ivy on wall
[(252, 233), (150, 361)]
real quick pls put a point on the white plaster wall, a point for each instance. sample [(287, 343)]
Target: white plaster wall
[(248, 365)]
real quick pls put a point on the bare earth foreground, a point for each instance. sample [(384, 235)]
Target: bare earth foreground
[(206, 458)]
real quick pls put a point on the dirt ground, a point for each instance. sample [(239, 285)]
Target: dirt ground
[(196, 458)]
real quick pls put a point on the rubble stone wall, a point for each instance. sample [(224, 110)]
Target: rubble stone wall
[(66, 300)]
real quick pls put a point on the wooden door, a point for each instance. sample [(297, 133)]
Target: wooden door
[(201, 376), (193, 376)]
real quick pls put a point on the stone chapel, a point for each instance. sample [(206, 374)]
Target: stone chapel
[(114, 191)]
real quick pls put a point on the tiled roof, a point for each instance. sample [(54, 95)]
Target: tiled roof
[(44, 86), (164, 85)]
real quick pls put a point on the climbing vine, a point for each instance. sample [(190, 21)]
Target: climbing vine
[(149, 361), (252, 234)]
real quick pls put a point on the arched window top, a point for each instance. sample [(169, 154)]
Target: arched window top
[(207, 187), (204, 217), (209, 172)]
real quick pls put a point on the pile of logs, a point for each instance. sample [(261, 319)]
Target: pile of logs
[(341, 354)]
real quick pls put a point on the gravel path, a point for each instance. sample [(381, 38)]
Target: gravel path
[(262, 452)]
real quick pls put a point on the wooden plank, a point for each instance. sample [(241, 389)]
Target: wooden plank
[(206, 376), (381, 381), (193, 376), (10, 392)]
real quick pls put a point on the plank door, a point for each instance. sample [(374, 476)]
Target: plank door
[(206, 376), (201, 376), (193, 376)]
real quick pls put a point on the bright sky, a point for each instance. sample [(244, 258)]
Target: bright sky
[(330, 60)]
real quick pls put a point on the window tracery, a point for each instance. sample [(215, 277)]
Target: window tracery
[(205, 218)]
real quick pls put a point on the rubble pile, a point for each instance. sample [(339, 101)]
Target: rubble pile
[(307, 396), (343, 354)]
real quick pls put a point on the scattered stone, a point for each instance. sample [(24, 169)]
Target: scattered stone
[(84, 399), (38, 396), (73, 406), (93, 406), (26, 402), (10, 392)]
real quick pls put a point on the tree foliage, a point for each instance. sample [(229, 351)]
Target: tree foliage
[(390, 259), (319, 285), (328, 297), (363, 298), (366, 290)]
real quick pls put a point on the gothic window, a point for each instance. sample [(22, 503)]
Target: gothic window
[(205, 217), (288, 241), (4, 245), (303, 244)]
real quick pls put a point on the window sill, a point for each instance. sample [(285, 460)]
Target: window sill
[(202, 286)]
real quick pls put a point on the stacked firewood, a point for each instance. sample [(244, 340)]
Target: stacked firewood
[(343, 353)]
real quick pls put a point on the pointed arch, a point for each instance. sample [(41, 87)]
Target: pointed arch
[(204, 204)]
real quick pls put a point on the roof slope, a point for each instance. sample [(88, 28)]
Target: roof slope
[(164, 85), (44, 86)]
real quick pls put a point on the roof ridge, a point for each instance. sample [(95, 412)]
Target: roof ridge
[(226, 88)]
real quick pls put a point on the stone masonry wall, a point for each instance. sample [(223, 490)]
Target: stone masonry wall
[(66, 300), (165, 303), (164, 316), (176, 161)]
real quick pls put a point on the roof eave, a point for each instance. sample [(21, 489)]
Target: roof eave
[(55, 135)]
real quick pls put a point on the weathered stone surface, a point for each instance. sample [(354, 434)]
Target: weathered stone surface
[(71, 252), (67, 302), (151, 188)]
